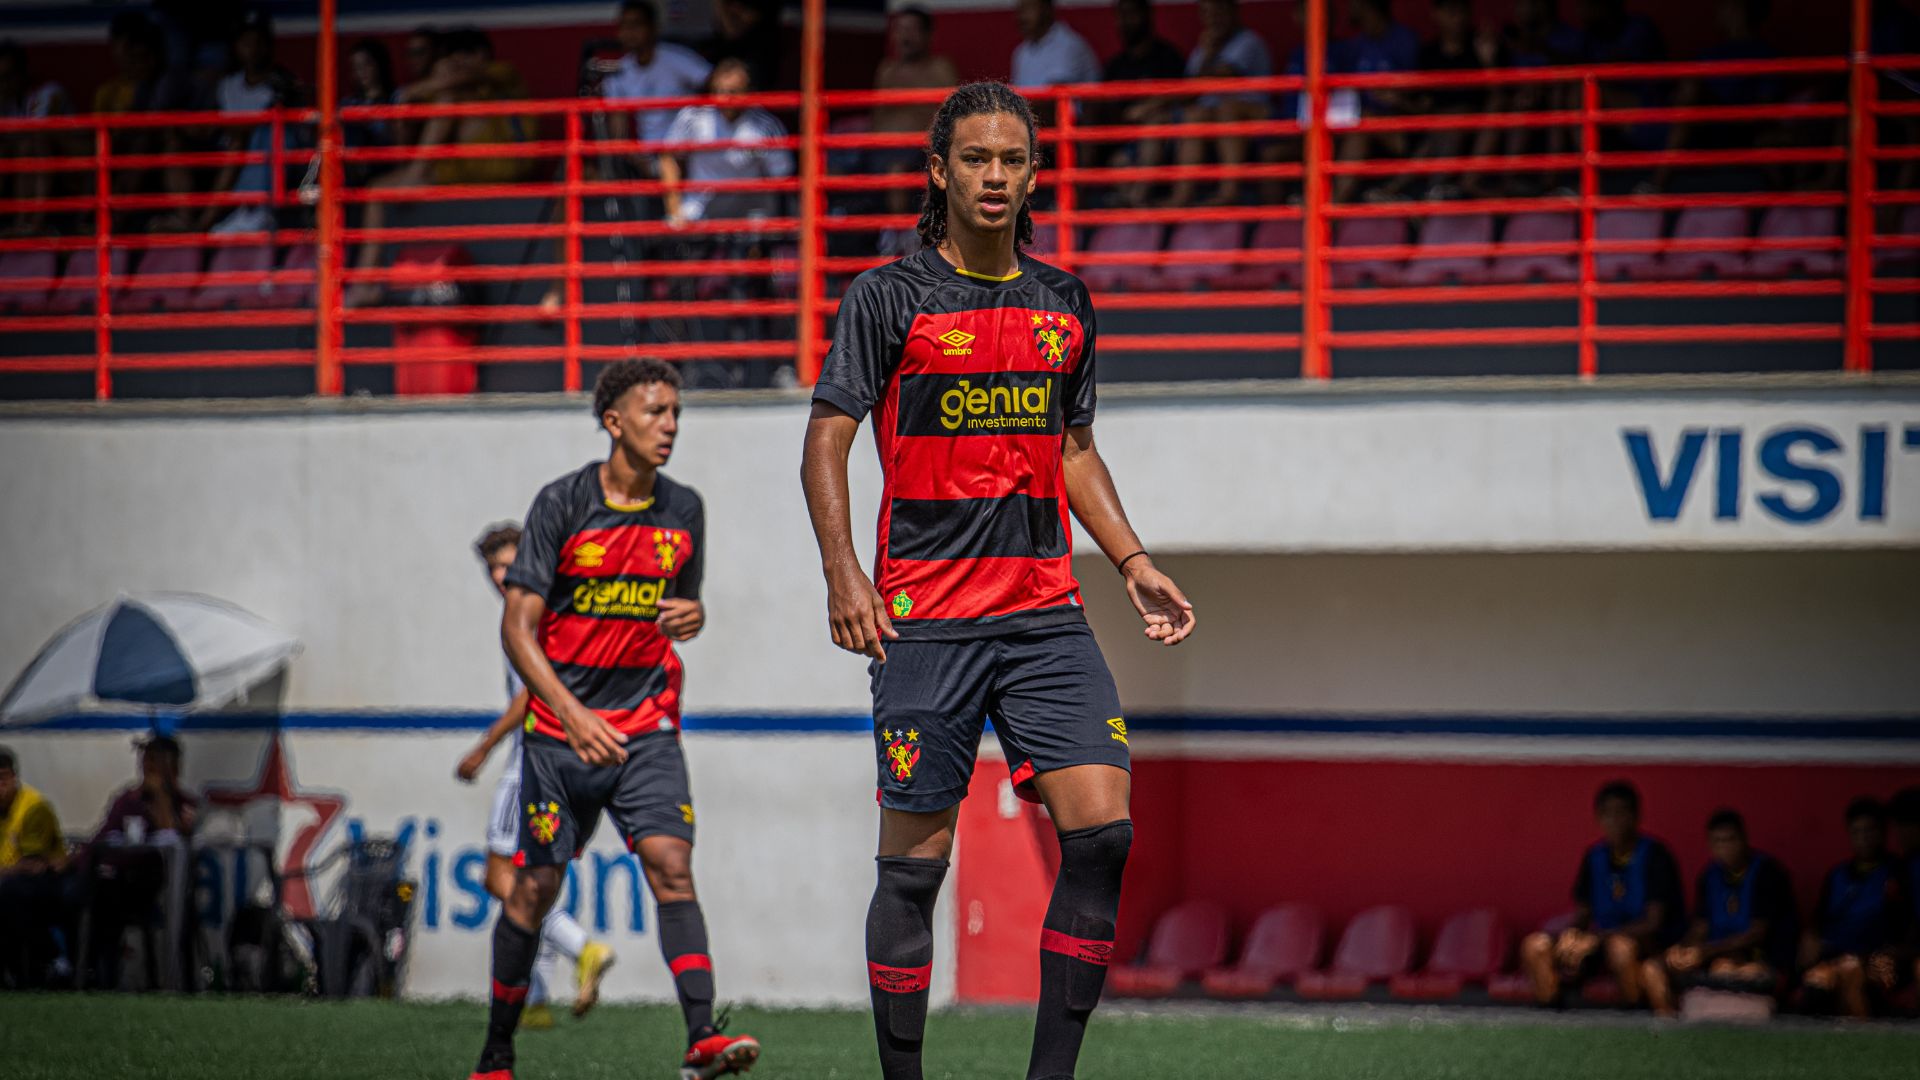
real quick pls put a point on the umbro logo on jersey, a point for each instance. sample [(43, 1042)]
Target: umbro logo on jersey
[(956, 342), (589, 555)]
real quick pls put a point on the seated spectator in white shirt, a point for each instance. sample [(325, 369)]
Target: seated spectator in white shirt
[(651, 68), (1050, 53), (22, 99), (1227, 50), (738, 126)]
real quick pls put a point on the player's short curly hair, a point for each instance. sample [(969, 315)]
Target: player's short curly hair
[(498, 535), (974, 99), (623, 375)]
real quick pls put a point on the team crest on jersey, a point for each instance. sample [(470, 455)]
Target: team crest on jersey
[(902, 604), (903, 753), (666, 546), (543, 822), (589, 555), (1053, 335)]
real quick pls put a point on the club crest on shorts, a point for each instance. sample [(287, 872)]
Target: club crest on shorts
[(902, 604), (1052, 335), (903, 753), (543, 822)]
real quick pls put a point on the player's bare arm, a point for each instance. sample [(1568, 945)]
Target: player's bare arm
[(1095, 502), (856, 614), (476, 758), (682, 619), (591, 737)]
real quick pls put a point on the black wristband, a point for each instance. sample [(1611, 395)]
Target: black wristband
[(1121, 566)]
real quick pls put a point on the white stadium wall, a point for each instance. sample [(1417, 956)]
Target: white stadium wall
[(1554, 562)]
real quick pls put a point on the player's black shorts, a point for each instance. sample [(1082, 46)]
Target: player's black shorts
[(561, 796), (1049, 693)]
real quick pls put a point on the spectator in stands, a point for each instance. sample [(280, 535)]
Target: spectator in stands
[(260, 84), (1744, 927), (1143, 55), (467, 72), (125, 862), (22, 99), (1379, 43), (1537, 38), (1615, 36), (1904, 809), (1740, 22), (651, 68), (1628, 906), (1226, 50), (912, 66), (1456, 46), (33, 858), (370, 82), (747, 31), (143, 82), (1857, 951), (738, 126), (1050, 53)]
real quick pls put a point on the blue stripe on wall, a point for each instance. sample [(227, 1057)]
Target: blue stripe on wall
[(1586, 727)]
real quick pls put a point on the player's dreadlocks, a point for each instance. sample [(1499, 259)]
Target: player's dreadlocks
[(975, 99), (498, 535), (623, 375)]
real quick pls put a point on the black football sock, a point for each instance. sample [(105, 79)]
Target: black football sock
[(900, 958), (1076, 941), (514, 948), (683, 941)]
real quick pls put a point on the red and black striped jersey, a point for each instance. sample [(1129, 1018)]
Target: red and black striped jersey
[(972, 383), (603, 569)]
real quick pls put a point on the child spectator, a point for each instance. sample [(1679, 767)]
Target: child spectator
[(1628, 906)]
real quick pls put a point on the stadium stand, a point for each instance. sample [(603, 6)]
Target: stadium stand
[(1376, 946), (1470, 949), (1284, 943)]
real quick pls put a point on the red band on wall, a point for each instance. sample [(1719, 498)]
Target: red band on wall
[(680, 965), (512, 995), (895, 980), (1091, 952)]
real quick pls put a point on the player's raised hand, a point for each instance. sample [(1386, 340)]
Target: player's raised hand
[(857, 615), (1161, 604), (592, 737), (471, 765), (681, 619)]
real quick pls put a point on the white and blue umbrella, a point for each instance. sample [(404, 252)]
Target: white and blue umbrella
[(155, 651)]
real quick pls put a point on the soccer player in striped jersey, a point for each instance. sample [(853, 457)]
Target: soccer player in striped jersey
[(560, 933), (976, 362), (607, 579)]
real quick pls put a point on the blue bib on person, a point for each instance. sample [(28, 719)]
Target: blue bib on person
[(1855, 919), (1619, 890), (1730, 902)]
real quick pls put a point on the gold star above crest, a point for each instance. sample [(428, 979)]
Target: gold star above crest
[(1038, 318), (913, 735), (886, 734)]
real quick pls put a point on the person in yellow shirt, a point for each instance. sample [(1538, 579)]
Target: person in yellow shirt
[(33, 853)]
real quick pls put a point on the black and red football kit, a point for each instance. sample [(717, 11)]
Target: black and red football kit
[(603, 569), (972, 383)]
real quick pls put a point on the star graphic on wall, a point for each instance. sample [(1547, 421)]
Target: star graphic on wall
[(314, 816)]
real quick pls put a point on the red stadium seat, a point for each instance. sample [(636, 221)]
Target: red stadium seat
[(1368, 232), (1708, 223), (252, 258), (296, 294), (1901, 261), (1202, 236), (1626, 225), (1513, 988), (1797, 222), (75, 292), (1284, 943), (170, 261), (27, 299), (1459, 269), (1281, 235), (1118, 239), (1537, 229), (1189, 939), (1469, 949), (1377, 946)]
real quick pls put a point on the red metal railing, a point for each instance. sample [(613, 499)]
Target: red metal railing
[(804, 271)]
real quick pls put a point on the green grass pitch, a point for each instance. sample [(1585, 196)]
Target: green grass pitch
[(71, 1037)]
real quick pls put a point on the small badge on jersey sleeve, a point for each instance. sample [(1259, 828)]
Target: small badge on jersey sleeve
[(1053, 336), (902, 604)]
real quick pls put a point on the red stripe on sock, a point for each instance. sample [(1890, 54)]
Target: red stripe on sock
[(895, 980), (680, 965), (1091, 952), (512, 995)]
